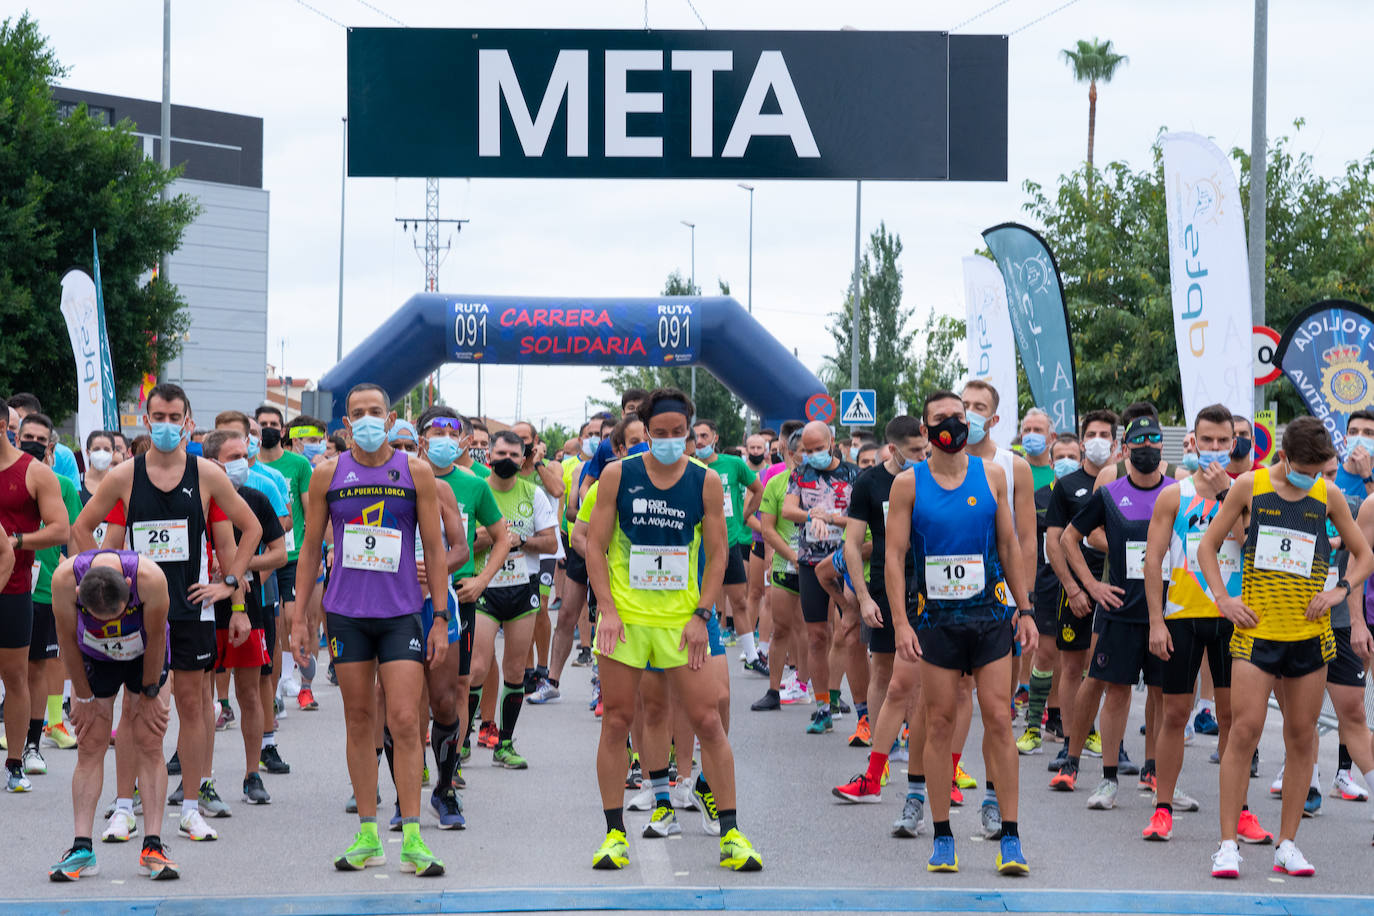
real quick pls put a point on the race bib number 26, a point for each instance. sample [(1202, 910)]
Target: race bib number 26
[(164, 541)]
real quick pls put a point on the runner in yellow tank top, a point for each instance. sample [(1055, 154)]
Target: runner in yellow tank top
[(1282, 621)]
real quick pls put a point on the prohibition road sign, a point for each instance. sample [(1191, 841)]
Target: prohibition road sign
[(820, 407)]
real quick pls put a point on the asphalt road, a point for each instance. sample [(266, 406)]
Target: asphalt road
[(537, 828)]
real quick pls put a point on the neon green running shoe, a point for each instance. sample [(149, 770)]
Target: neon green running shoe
[(737, 853), (505, 756), (614, 852), (366, 850), (416, 857)]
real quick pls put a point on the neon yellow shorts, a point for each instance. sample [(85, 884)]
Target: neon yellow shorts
[(655, 647)]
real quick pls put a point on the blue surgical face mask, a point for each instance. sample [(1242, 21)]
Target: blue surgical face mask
[(638, 448), (1303, 482), (254, 446), (1064, 467), (166, 436), (369, 433), (590, 445), (705, 452), (1033, 443), (976, 425), (312, 449), (819, 460), (443, 451), (853, 453), (668, 451), (237, 471), (1190, 461), (1205, 459), (1355, 442)]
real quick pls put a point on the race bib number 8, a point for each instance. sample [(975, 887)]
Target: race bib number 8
[(371, 548), (658, 569), (164, 541), (1285, 550), (954, 577)]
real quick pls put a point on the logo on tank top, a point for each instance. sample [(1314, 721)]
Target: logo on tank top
[(657, 513), (973, 500), (351, 478), (394, 475), (376, 516)]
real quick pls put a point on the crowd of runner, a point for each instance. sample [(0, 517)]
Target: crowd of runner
[(218, 570)]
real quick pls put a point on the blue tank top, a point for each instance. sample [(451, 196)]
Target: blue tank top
[(372, 513), (954, 542)]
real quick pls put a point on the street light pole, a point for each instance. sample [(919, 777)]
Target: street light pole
[(749, 414), (693, 227), (854, 328), (343, 179)]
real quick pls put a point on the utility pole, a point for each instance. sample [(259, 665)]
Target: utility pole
[(749, 414), (854, 328), (1258, 161), (693, 227), (343, 184), (429, 252)]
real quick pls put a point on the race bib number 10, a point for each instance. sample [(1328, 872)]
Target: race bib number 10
[(955, 577)]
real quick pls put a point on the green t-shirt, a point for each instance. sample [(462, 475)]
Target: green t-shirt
[(735, 478), (773, 495), (476, 506), (481, 470), (1042, 476), (48, 558), (296, 469)]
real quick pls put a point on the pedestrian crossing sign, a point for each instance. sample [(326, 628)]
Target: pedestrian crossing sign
[(858, 406)]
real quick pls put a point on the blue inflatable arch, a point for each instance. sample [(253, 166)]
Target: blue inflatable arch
[(714, 332)]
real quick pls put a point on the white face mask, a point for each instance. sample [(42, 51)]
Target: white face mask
[(1098, 450), (100, 459)]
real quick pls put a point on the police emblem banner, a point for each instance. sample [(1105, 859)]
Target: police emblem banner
[(1327, 352)]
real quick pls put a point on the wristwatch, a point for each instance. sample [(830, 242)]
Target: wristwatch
[(231, 581), (1025, 612), (151, 690), (704, 613), (442, 614), (1341, 583)]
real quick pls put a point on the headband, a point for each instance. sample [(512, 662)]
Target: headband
[(669, 405), (306, 432)]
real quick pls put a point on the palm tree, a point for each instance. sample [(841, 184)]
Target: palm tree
[(1092, 61)]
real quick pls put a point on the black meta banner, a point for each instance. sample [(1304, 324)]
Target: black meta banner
[(516, 103)]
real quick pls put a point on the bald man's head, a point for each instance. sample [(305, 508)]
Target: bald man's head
[(816, 435)]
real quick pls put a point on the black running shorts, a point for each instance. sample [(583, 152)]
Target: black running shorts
[(43, 639), (966, 645), (1346, 669), (1122, 653), (380, 639), (1191, 637)]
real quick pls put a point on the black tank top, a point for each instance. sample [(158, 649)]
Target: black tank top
[(169, 528)]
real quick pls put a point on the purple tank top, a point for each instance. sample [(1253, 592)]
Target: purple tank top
[(123, 638), (372, 514)]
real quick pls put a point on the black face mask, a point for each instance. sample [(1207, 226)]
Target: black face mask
[(756, 459), (949, 435), (38, 450), (271, 438), (505, 468), (529, 449), (1146, 459), (776, 457), (1241, 448)]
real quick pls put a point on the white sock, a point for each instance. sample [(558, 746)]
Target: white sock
[(1316, 777), (746, 641), (124, 804), (1369, 779), (288, 665), (190, 806), (269, 739), (763, 646)]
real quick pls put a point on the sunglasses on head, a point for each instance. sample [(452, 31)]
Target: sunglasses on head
[(1145, 437), (446, 423)]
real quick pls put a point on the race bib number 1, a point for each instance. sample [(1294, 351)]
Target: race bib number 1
[(955, 577), (1285, 550), (164, 541), (658, 569), (372, 548)]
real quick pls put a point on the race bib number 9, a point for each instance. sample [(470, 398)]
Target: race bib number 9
[(954, 577), (1285, 550), (372, 548), (658, 569), (164, 541)]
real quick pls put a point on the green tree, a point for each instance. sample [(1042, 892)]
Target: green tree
[(713, 401), (884, 337), (1093, 61), (553, 435), (1113, 255), (940, 363), (61, 179)]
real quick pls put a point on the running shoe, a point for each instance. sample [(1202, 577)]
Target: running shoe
[(584, 657), (956, 795), (738, 854), (1184, 802), (270, 760), (545, 693), (963, 779), (365, 850), (1161, 826), (225, 719), (600, 705), (1022, 697), (253, 791), (1276, 787), (1067, 777), (943, 857), (672, 768), (1059, 758), (1248, 830), (505, 756), (634, 779), (448, 807), (682, 795), (488, 736), (1054, 726), (794, 693), (863, 735), (645, 800), (59, 736), (1124, 765), (1204, 723), (1147, 781), (174, 765), (178, 795), (395, 824), (75, 863), (1313, 806), (821, 722), (1290, 860), (32, 761), (306, 700), (1010, 860), (1347, 788), (18, 782), (662, 823), (728, 637), (859, 790), (416, 857), (458, 781), (192, 826), (769, 701), (120, 827), (990, 816), (910, 823), (210, 802), (1254, 764), (900, 753), (759, 666), (1092, 747), (887, 768), (614, 852), (706, 804), (1226, 860), (155, 864), (1030, 742), (1104, 796)]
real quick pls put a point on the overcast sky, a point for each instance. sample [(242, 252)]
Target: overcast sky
[(1189, 69)]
